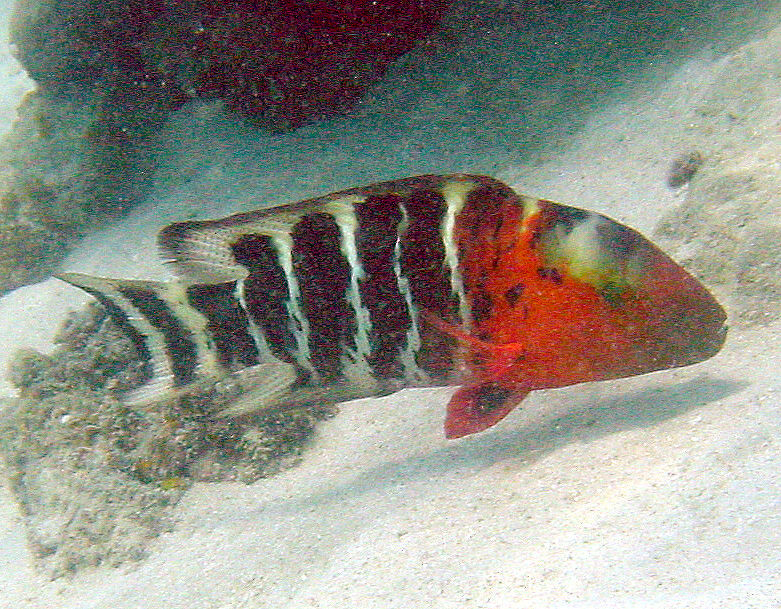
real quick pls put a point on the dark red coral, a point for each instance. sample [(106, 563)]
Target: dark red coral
[(281, 62)]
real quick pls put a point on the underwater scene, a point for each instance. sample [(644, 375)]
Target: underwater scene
[(390, 304)]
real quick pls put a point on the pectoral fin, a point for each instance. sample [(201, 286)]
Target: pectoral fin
[(277, 386), (477, 407)]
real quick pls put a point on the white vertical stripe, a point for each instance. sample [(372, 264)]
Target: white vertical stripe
[(258, 337), (455, 193), (174, 294), (161, 382), (298, 324), (343, 212), (162, 379), (413, 373)]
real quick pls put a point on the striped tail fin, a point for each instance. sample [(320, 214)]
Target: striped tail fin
[(163, 325)]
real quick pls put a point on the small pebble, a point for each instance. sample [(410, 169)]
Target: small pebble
[(683, 168)]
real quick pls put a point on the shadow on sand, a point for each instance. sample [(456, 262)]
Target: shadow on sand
[(637, 409)]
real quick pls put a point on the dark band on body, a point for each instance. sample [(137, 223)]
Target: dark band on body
[(180, 348), (228, 323), (137, 337), (323, 276), (379, 217), (422, 263), (265, 292), (483, 219)]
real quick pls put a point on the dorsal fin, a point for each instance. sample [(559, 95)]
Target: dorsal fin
[(203, 251), (200, 252)]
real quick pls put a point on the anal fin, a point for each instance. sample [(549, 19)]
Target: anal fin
[(277, 386), (267, 386)]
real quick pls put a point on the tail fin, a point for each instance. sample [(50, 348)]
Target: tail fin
[(163, 325)]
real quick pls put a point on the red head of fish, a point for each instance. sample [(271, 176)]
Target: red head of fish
[(560, 296)]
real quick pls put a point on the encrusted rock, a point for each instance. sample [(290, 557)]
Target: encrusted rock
[(95, 478), (281, 62), (69, 163)]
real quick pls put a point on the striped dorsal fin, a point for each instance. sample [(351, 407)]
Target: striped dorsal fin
[(203, 251), (200, 252)]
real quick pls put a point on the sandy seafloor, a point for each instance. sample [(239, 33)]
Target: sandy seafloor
[(657, 491)]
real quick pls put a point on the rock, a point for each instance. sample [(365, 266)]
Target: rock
[(74, 159), (683, 168), (110, 72), (728, 228)]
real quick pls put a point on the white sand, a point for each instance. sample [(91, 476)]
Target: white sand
[(658, 491)]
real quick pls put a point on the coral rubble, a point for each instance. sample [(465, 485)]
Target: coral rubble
[(96, 478)]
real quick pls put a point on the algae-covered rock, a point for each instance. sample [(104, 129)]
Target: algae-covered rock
[(95, 478), (66, 167), (281, 63)]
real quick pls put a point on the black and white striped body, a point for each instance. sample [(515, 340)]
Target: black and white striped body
[(333, 287), (423, 281)]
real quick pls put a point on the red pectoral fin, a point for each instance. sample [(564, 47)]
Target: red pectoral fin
[(478, 407)]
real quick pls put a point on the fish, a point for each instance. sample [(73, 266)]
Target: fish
[(432, 280)]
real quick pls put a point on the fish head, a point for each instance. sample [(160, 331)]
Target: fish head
[(561, 295)]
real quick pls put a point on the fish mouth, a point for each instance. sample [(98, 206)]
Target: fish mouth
[(720, 337), (684, 338), (709, 344)]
